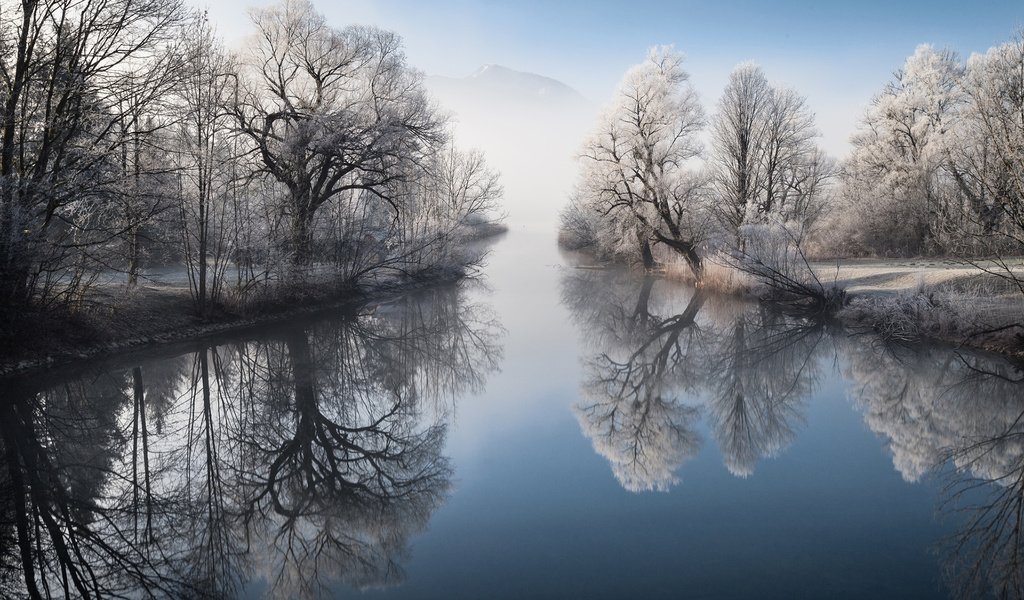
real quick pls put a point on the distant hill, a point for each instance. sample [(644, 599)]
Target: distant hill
[(495, 83)]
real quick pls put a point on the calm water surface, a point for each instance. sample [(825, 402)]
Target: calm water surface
[(546, 431)]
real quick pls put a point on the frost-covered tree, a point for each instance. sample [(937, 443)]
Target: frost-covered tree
[(144, 187), (986, 155), (454, 199), (208, 166), (78, 83), (331, 112), (936, 164), (795, 170), (636, 175), (766, 163), (994, 114), (897, 198), (737, 133)]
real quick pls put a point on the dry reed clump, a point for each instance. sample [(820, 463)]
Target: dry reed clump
[(716, 277)]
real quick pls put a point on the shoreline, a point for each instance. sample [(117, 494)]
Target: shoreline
[(123, 321), (901, 315), (184, 329)]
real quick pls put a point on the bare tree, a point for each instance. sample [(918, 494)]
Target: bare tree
[(794, 169), (766, 164), (738, 133), (454, 200), (208, 166), (145, 186), (63, 64), (331, 112)]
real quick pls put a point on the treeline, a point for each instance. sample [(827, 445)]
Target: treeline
[(313, 156), (937, 167)]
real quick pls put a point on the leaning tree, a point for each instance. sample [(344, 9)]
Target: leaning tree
[(634, 168)]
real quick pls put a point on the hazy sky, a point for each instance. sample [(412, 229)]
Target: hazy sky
[(836, 54)]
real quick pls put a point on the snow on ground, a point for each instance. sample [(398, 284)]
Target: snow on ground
[(875, 276), (967, 289)]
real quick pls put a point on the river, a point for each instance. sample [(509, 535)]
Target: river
[(540, 431)]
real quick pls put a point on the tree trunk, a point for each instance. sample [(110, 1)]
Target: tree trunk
[(203, 230), (646, 254), (696, 263), (689, 252), (19, 493), (302, 237), (642, 314), (133, 257), (140, 408)]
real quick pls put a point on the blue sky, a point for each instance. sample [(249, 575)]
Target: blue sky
[(837, 54)]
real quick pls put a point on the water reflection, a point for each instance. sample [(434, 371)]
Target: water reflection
[(631, 410), (305, 458), (661, 358), (301, 459), (964, 413)]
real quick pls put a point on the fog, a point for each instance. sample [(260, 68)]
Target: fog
[(530, 129)]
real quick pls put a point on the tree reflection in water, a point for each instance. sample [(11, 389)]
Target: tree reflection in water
[(960, 414), (309, 456), (302, 458), (661, 365)]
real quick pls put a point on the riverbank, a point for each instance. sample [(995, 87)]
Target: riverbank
[(939, 299), (120, 321), (115, 319), (903, 301)]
